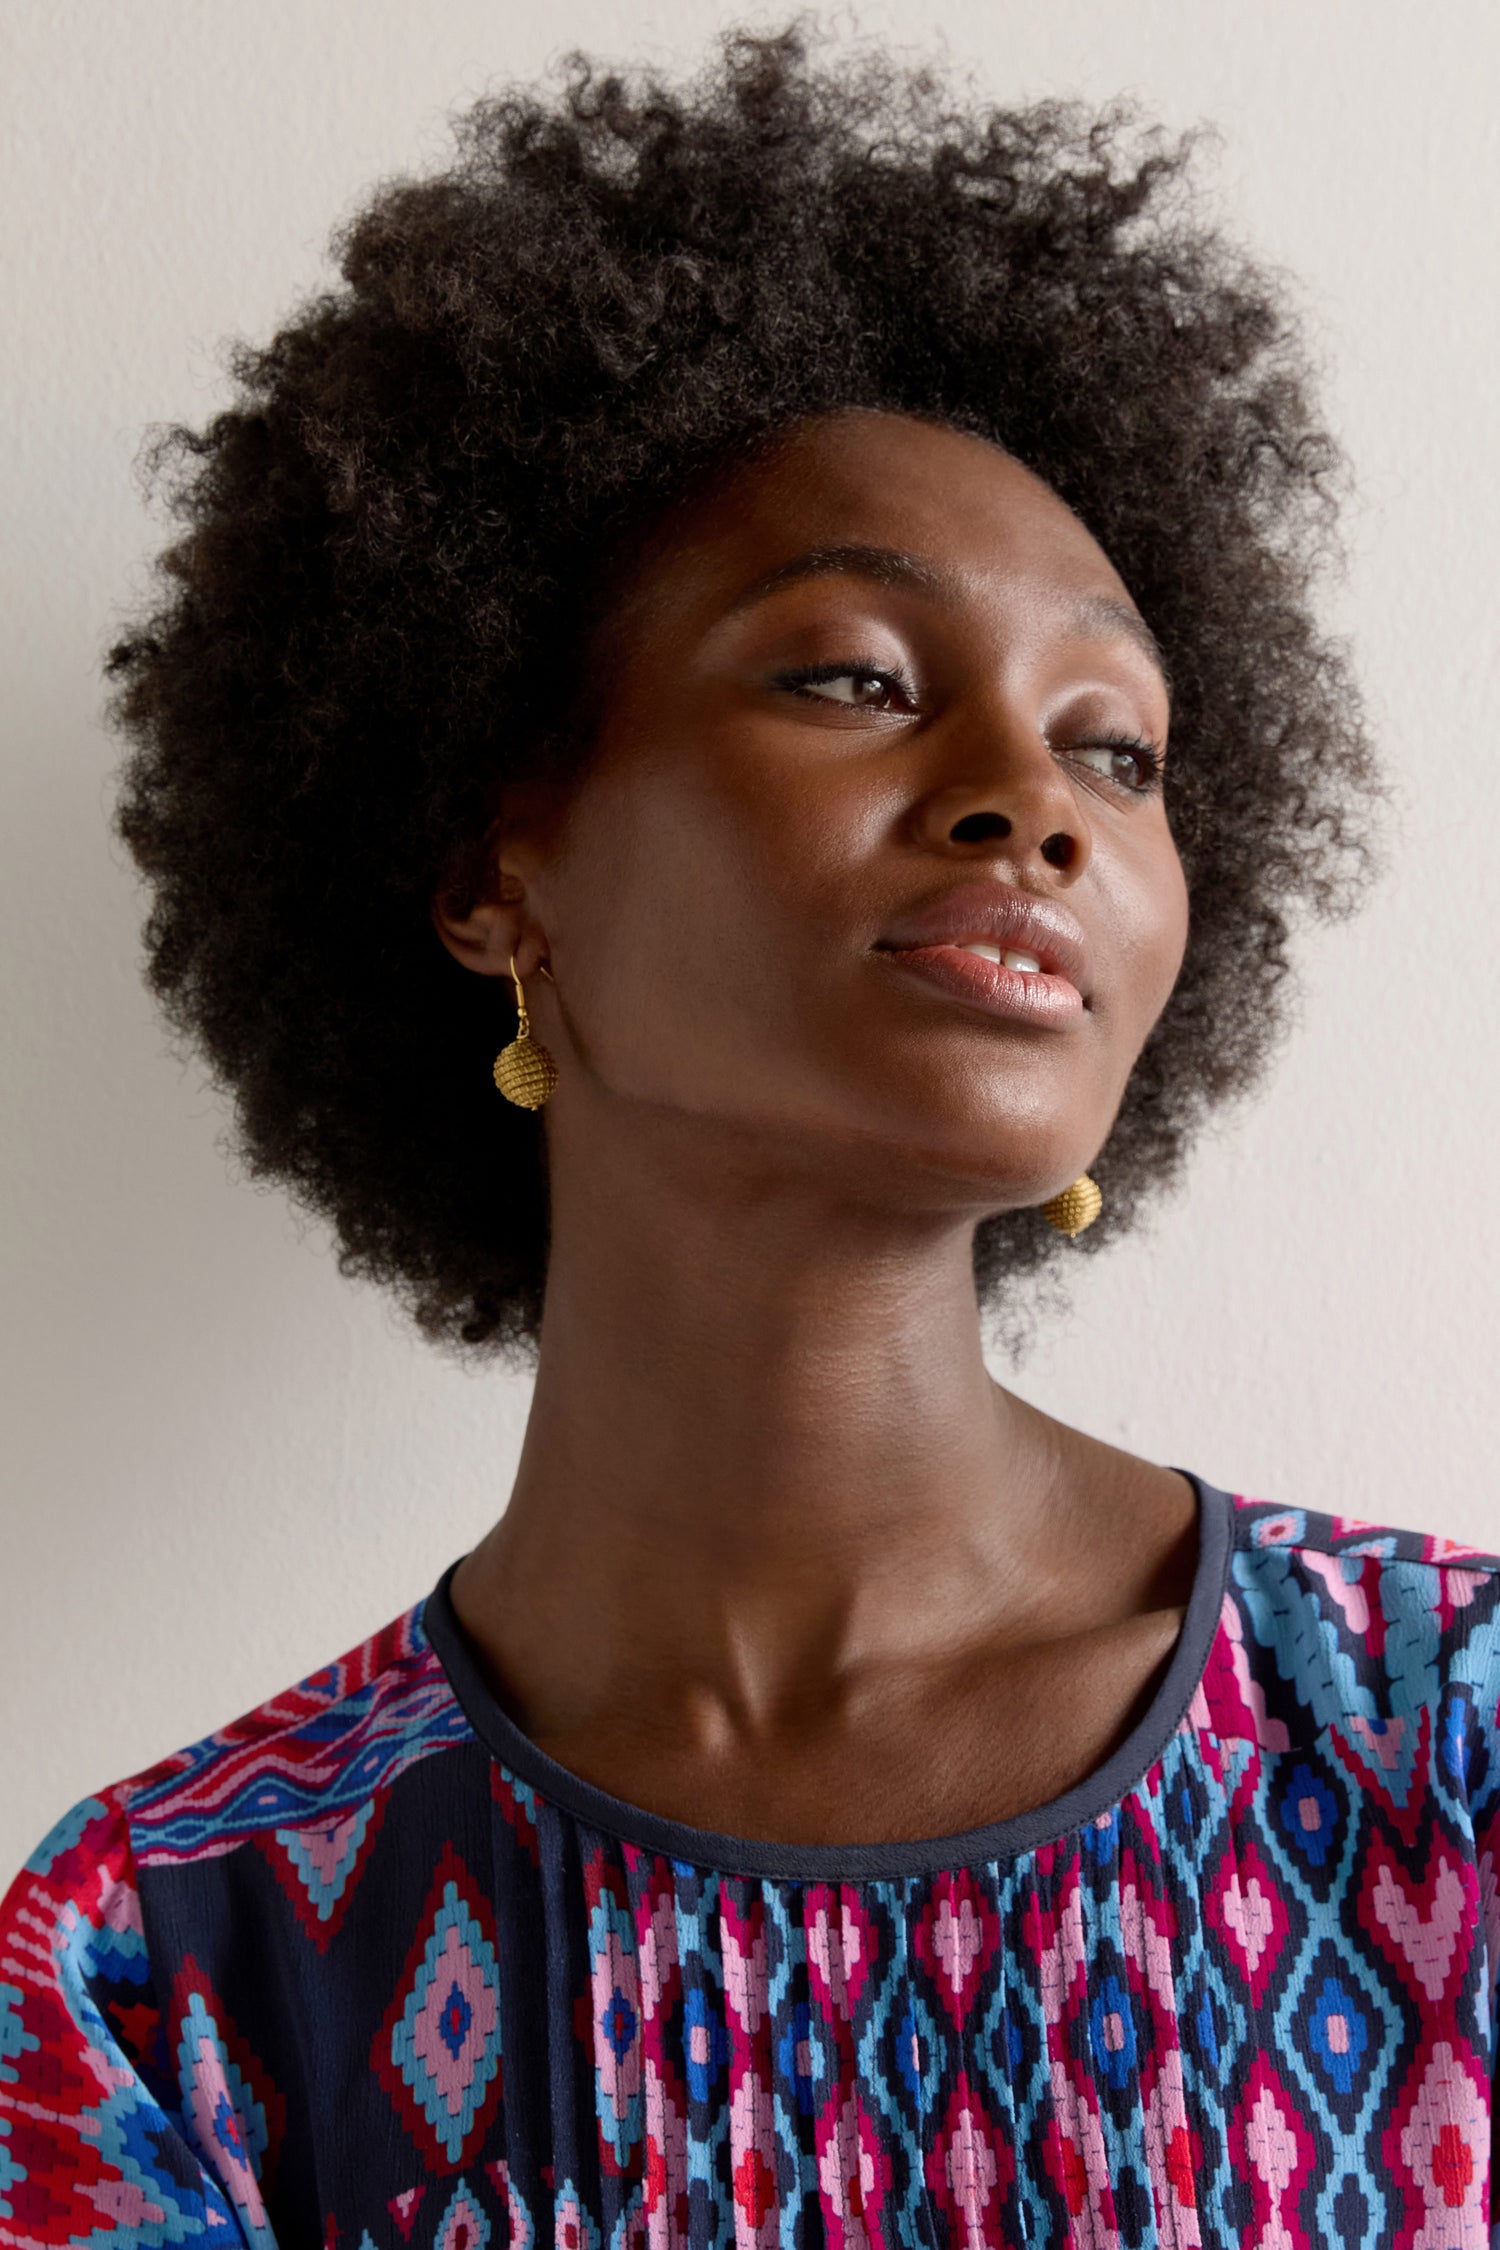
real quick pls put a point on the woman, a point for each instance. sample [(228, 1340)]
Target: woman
[(701, 612)]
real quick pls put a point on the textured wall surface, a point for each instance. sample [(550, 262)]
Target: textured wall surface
[(222, 1464)]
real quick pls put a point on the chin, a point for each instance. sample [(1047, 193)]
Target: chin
[(971, 1167)]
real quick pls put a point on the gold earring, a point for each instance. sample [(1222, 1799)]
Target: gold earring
[(524, 1071), (1076, 1208)]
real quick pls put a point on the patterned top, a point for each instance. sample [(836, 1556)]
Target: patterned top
[(368, 1971)]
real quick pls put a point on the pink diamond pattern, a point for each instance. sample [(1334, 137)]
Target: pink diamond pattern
[(438, 2051), (463, 2225)]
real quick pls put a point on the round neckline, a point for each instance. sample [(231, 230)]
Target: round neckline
[(1003, 1840)]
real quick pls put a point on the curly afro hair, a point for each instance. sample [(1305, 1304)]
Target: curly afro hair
[(392, 537)]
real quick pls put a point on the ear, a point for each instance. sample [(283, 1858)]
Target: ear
[(481, 915)]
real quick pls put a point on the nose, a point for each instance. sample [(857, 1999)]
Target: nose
[(1015, 804)]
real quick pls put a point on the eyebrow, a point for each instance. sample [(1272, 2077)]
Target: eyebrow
[(1093, 616)]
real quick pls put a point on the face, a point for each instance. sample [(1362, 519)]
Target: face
[(869, 865)]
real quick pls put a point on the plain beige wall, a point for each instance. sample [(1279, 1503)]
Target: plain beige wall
[(223, 1464)]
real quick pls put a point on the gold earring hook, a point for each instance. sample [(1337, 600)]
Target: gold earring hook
[(523, 1020)]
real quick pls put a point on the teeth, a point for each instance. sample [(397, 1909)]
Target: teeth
[(1027, 963)]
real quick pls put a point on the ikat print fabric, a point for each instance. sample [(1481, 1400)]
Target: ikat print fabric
[(364, 1971)]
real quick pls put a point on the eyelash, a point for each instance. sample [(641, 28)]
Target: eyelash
[(1146, 754), (817, 675)]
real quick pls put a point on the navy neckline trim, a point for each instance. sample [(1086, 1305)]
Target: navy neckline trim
[(999, 1840)]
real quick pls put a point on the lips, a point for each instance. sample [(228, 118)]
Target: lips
[(997, 949), (994, 915)]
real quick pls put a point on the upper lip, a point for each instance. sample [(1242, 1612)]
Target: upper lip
[(994, 914)]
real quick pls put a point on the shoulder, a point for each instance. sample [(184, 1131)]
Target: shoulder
[(1260, 1525), (93, 2080), (313, 1754), (1338, 1620)]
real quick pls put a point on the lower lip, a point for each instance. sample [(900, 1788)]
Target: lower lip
[(1022, 995)]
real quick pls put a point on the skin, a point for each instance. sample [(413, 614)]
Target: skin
[(781, 1559)]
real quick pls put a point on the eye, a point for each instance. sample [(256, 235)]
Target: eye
[(1124, 759), (860, 687)]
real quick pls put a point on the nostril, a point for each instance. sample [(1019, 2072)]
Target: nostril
[(1060, 850), (979, 828)]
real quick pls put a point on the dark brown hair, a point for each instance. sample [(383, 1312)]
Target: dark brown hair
[(390, 538)]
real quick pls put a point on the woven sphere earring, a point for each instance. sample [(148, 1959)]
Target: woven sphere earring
[(524, 1071), (1076, 1208)]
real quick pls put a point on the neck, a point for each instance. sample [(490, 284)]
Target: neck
[(764, 1410)]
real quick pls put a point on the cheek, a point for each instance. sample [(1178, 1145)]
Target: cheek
[(1140, 921), (743, 856), (1154, 930), (662, 910)]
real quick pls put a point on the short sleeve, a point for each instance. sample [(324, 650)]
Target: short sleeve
[(95, 2146)]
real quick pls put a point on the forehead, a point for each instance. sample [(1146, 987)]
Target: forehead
[(880, 480)]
